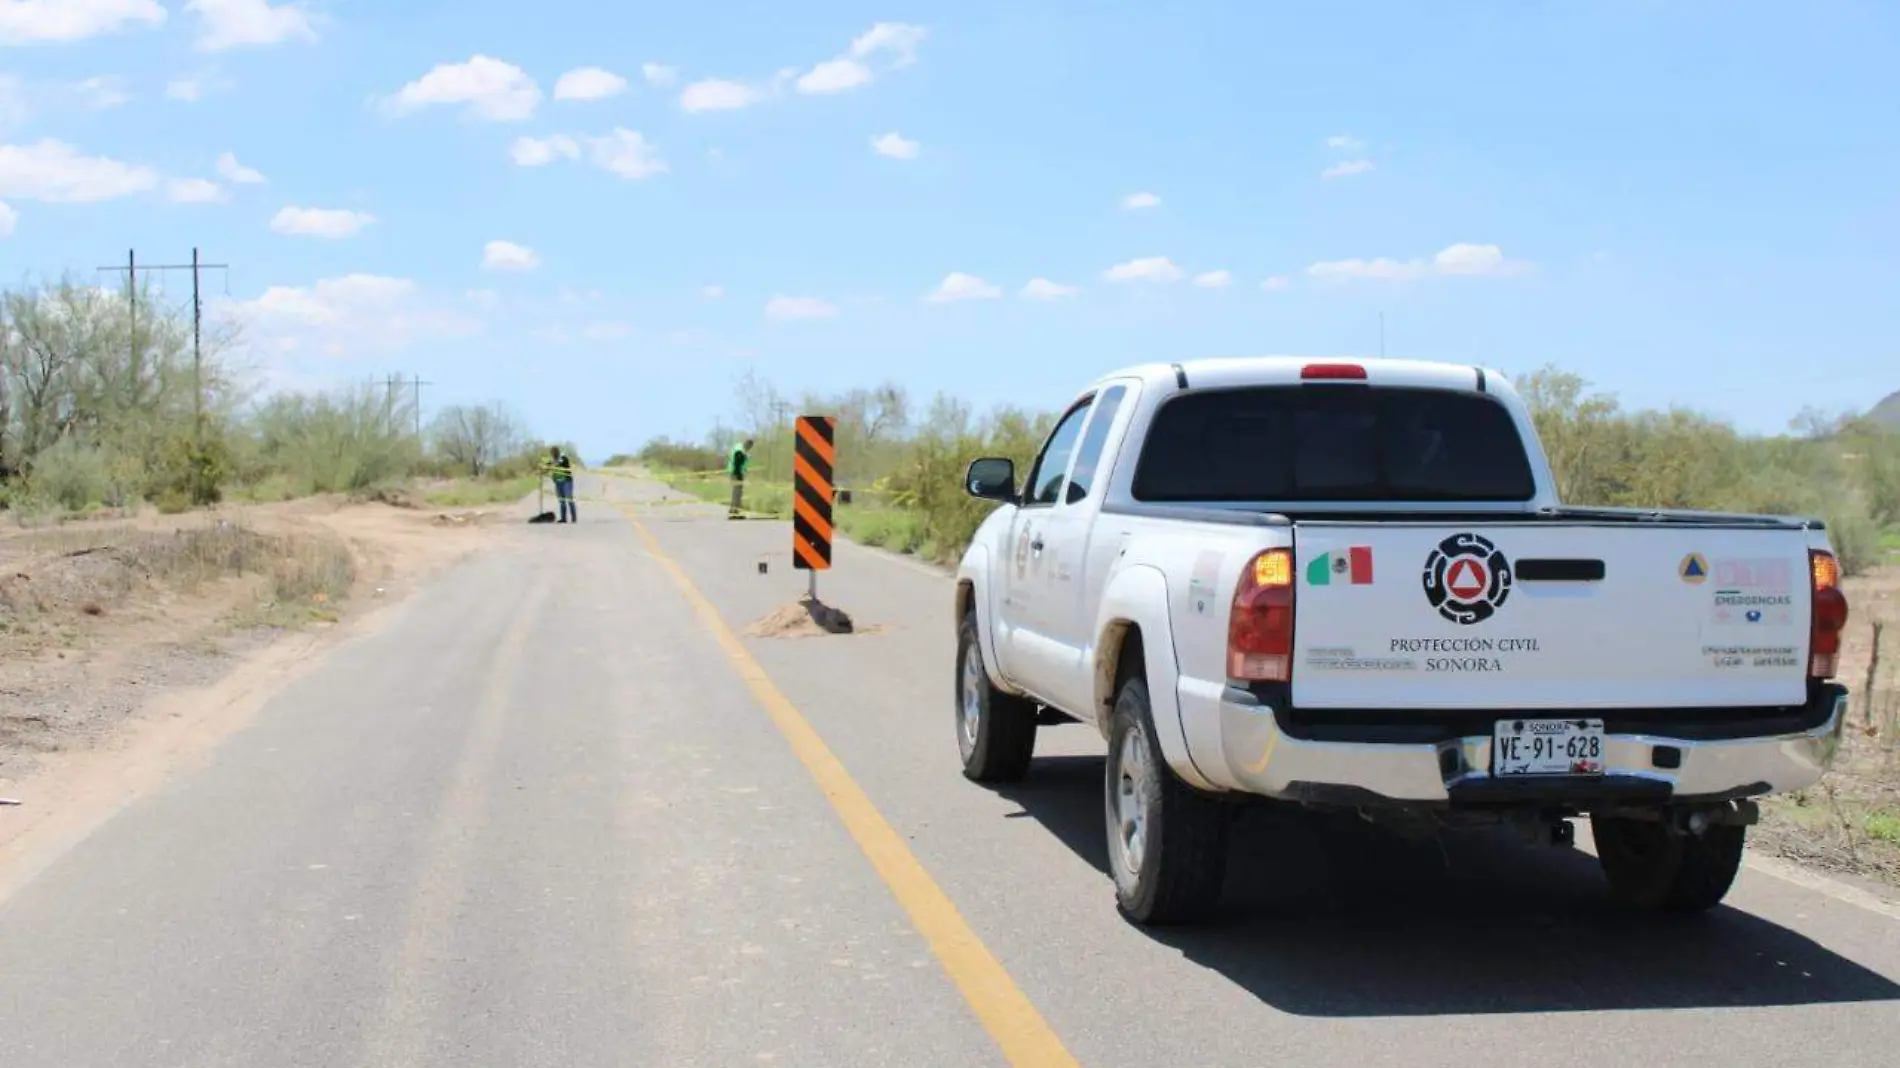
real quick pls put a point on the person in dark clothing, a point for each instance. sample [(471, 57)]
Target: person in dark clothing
[(735, 466), (561, 470)]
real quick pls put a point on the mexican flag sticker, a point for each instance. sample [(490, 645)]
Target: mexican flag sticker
[(1351, 567)]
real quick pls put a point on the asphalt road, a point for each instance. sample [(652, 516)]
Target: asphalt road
[(556, 813)]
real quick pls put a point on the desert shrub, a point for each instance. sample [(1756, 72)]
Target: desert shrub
[(72, 474)]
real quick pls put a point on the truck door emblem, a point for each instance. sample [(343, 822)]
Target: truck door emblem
[(1467, 579)]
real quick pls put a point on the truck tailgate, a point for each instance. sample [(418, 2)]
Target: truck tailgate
[(1549, 615)]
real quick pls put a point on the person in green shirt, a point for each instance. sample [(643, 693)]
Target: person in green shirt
[(561, 470), (735, 467)]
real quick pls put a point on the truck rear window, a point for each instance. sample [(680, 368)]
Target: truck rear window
[(1333, 443)]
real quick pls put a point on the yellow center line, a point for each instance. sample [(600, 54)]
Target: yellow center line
[(1025, 1038)]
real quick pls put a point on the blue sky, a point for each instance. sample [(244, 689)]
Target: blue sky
[(1686, 202)]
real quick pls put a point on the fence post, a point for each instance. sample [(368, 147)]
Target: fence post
[(1868, 695)]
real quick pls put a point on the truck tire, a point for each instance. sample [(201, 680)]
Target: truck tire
[(1651, 866), (1167, 844), (996, 731)]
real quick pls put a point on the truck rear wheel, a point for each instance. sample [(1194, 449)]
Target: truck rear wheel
[(1654, 866), (1167, 844), (996, 731)]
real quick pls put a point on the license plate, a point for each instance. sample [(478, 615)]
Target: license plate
[(1547, 747)]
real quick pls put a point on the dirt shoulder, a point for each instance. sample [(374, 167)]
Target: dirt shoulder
[(1850, 823), (103, 619)]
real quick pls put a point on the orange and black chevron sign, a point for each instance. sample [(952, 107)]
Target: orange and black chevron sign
[(812, 462)]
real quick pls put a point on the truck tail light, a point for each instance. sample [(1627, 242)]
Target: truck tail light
[(1829, 615), (1260, 628), (1337, 372)]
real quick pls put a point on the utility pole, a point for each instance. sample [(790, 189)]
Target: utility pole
[(780, 409), (419, 383), (196, 267)]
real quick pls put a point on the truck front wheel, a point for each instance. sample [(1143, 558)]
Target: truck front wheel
[(1654, 866), (996, 731), (1167, 844)]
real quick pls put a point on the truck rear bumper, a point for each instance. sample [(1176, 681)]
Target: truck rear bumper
[(1259, 756)]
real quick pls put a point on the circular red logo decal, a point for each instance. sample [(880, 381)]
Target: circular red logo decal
[(1467, 578)]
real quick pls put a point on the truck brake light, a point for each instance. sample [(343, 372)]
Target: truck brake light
[(1260, 627), (1829, 615), (1337, 372)]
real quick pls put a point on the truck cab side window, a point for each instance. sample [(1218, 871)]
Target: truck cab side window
[(1045, 482), (1089, 457)]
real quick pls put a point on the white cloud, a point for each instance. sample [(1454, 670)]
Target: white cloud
[(192, 88), (626, 154), (713, 292), (589, 83), (508, 256), (718, 94), (1137, 201), (346, 315), (1219, 279), (196, 191), (894, 42), (895, 146), (798, 308), (1149, 269), (483, 298), (539, 152), (331, 223), (622, 152), (15, 110), (834, 76), (102, 93), (959, 286), (607, 331), (885, 46), (1276, 283), (898, 39), (237, 173), (9, 220), (658, 74), (1468, 259), (226, 24), (1455, 260), (1346, 168), (55, 171), (38, 21), (1344, 142), (493, 89), (325, 301), (1363, 270), (1044, 289)]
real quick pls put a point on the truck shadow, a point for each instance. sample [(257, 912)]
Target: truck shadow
[(1330, 916)]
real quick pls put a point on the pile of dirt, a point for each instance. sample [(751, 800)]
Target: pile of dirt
[(804, 619)]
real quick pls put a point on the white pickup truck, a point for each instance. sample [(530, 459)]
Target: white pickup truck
[(1352, 584)]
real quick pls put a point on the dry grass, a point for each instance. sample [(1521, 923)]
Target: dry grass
[(465, 493), (55, 577)]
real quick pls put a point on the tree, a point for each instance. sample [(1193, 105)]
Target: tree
[(474, 437)]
